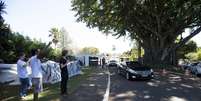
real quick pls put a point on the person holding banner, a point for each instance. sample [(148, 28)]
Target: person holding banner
[(64, 72), (36, 75), (22, 71)]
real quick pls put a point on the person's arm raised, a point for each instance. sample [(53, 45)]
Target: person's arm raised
[(63, 65)]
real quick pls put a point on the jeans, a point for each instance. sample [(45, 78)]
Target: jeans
[(37, 84), (64, 81), (24, 86)]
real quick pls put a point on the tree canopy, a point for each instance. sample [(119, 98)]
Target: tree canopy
[(12, 43), (90, 50), (156, 24), (189, 47)]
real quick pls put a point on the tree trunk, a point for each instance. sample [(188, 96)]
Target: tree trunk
[(157, 56), (158, 51), (139, 52)]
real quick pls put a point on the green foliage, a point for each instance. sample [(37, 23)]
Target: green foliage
[(14, 43), (156, 24), (132, 54), (61, 37), (189, 47), (192, 56), (90, 50), (2, 10), (199, 54), (120, 16), (55, 33), (125, 54)]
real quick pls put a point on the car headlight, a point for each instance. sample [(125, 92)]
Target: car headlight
[(132, 71)]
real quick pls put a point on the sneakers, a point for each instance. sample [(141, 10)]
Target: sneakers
[(22, 97)]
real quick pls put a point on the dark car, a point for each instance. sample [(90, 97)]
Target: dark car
[(112, 63), (134, 70)]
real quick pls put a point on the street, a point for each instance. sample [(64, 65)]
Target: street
[(169, 87), (92, 89)]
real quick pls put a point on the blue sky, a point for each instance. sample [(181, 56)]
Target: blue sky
[(34, 18)]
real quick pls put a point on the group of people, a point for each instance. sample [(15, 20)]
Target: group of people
[(34, 62)]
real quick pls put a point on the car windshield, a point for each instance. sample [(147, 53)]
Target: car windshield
[(133, 64), (113, 61), (136, 66), (194, 64)]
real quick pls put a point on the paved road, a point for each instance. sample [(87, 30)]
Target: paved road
[(169, 87), (93, 89)]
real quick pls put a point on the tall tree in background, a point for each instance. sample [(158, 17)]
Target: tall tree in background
[(64, 39), (90, 50), (12, 43), (2, 10), (54, 33), (156, 24), (5, 33)]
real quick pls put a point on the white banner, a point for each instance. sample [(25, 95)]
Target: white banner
[(51, 72)]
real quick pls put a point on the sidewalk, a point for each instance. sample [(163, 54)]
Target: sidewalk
[(93, 89)]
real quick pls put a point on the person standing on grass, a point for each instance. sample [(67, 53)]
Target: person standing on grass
[(22, 71), (64, 72), (35, 64)]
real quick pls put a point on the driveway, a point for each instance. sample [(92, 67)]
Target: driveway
[(168, 87), (93, 89)]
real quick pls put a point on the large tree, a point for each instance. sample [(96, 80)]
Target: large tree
[(156, 24)]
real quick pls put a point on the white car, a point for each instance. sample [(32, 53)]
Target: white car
[(192, 66), (196, 69)]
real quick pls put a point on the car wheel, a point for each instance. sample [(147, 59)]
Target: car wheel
[(127, 76)]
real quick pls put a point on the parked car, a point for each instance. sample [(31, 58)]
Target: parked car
[(134, 70), (192, 66), (196, 69), (112, 63), (185, 66)]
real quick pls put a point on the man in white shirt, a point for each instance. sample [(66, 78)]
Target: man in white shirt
[(36, 75), (22, 71)]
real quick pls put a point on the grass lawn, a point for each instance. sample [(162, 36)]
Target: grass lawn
[(51, 91)]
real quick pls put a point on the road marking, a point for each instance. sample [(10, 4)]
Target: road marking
[(107, 93)]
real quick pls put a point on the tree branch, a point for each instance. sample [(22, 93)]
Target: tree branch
[(186, 39), (145, 26)]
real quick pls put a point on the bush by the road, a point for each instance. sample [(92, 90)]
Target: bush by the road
[(14, 43)]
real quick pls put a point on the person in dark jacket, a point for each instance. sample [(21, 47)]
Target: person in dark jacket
[(103, 62), (64, 72)]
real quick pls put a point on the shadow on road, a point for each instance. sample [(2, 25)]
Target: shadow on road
[(169, 87)]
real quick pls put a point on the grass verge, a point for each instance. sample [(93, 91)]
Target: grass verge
[(51, 91)]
